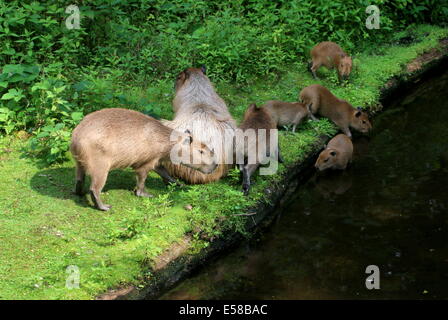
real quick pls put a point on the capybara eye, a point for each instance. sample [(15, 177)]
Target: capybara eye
[(201, 152), (364, 121)]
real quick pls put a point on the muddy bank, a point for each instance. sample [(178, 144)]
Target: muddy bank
[(175, 264)]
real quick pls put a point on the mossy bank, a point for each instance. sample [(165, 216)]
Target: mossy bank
[(145, 245)]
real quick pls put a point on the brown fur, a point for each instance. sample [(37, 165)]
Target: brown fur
[(319, 100), (286, 113), (337, 155), (257, 119), (201, 110), (118, 138), (331, 55)]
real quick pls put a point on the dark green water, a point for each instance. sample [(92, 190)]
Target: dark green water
[(389, 209)]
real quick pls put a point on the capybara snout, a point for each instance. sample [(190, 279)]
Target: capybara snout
[(345, 67)]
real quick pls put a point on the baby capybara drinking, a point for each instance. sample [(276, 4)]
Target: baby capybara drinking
[(319, 100), (337, 154), (118, 138)]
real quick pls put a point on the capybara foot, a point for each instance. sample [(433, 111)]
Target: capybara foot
[(104, 207), (142, 193), (246, 189)]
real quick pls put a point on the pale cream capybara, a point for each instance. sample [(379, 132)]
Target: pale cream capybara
[(201, 110), (319, 100), (256, 119), (337, 154), (118, 138), (331, 55), (286, 113)]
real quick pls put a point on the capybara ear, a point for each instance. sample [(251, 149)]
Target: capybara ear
[(253, 105), (204, 69), (358, 114)]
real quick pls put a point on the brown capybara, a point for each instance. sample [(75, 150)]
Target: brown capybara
[(337, 154), (258, 120), (286, 113), (201, 110), (331, 55), (319, 100), (118, 138)]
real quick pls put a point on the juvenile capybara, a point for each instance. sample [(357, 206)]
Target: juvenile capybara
[(201, 110), (286, 113), (331, 55), (256, 120), (118, 138), (337, 154), (319, 100)]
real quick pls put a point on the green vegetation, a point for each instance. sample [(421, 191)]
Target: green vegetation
[(126, 55)]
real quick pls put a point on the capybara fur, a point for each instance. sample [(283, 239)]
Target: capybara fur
[(331, 55), (319, 100), (256, 119), (201, 110), (286, 113), (118, 138), (337, 154)]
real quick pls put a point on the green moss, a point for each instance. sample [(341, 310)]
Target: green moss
[(44, 227)]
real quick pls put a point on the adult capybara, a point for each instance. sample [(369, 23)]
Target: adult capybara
[(118, 138), (201, 110), (256, 120), (320, 100), (331, 55), (337, 154), (286, 113)]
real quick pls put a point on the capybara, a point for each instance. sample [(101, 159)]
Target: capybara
[(331, 55), (319, 100), (256, 119), (201, 110), (337, 154), (286, 113), (118, 138)]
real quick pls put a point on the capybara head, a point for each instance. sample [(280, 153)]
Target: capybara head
[(188, 74), (200, 157), (327, 159), (345, 67), (360, 121)]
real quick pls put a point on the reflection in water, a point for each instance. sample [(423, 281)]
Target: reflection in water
[(389, 209)]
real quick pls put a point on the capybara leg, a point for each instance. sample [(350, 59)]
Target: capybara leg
[(161, 171), (80, 176), (142, 174), (314, 68), (310, 112), (248, 170), (280, 157), (347, 132), (99, 178)]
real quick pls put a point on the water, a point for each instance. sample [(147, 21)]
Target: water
[(389, 209)]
